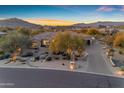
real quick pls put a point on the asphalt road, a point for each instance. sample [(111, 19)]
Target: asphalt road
[(96, 62), (39, 78)]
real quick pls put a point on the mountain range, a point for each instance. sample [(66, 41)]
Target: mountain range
[(16, 22), (97, 24)]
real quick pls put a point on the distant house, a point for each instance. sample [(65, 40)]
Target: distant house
[(114, 31), (110, 30)]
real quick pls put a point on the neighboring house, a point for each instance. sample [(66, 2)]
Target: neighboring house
[(110, 31), (114, 31)]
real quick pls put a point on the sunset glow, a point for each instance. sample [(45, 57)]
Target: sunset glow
[(50, 22)]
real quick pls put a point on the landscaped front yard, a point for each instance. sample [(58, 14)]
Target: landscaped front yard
[(41, 58)]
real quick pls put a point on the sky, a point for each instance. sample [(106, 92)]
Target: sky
[(63, 15)]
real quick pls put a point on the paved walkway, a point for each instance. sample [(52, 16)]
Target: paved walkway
[(96, 61)]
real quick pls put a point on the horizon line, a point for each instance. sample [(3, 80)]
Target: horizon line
[(58, 22)]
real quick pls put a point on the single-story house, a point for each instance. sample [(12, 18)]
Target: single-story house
[(45, 38)]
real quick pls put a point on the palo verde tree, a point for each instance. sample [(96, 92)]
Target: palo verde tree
[(67, 42)]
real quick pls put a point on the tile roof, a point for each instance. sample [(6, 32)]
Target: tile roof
[(45, 35)]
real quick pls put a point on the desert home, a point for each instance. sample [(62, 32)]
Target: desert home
[(45, 38)]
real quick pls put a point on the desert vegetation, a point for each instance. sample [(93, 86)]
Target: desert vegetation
[(66, 42)]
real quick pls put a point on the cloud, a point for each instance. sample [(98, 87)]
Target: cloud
[(122, 8), (110, 8), (50, 21), (106, 9)]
